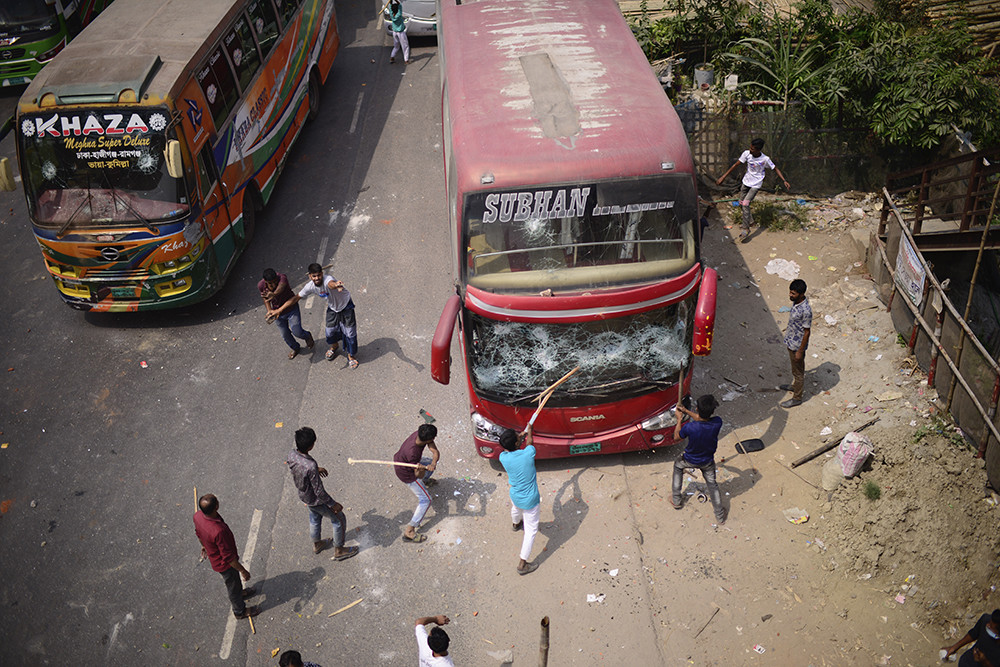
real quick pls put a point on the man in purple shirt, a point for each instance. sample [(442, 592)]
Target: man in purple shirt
[(219, 546), (419, 478), (306, 474), (284, 309)]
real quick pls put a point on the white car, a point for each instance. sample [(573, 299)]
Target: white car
[(420, 16)]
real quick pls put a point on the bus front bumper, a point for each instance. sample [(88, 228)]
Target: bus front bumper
[(628, 439)]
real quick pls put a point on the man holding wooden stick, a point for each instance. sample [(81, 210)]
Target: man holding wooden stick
[(702, 434), (525, 502), (419, 478), (306, 474), (219, 546)]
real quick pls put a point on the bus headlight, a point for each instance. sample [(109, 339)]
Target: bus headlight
[(485, 429), (661, 421)]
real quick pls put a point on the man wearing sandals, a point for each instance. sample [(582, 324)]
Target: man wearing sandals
[(283, 308), (419, 478), (306, 474), (340, 320)]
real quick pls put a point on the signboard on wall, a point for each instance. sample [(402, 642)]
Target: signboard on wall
[(909, 271)]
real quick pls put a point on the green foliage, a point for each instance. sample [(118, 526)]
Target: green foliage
[(774, 216), (900, 341), (945, 429), (871, 490)]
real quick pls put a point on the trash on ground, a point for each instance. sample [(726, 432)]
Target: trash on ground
[(796, 515), (614, 572), (758, 648), (890, 395), (595, 598), (783, 268), (830, 320), (826, 431)]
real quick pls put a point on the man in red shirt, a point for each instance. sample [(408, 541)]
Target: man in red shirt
[(419, 478), (219, 545)]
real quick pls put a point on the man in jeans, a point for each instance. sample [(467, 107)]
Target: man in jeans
[(702, 433), (306, 474), (219, 546), (797, 340), (419, 478), (283, 308)]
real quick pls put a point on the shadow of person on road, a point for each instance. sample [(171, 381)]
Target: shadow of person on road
[(824, 377), (372, 350), (378, 531), (568, 514), (469, 495), (298, 586)]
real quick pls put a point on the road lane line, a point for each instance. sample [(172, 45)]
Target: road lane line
[(357, 112), (227, 637)]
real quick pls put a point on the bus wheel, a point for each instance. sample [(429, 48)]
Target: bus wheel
[(313, 95), (249, 219)]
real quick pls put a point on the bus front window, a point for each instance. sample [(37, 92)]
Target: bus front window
[(27, 16), (99, 169), (581, 236), (618, 358)]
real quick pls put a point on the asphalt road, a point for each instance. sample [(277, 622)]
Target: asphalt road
[(102, 456)]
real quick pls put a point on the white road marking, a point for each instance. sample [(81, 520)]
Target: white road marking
[(357, 112), (227, 638), (321, 255)]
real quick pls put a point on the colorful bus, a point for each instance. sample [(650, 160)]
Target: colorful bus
[(573, 213), (149, 144), (32, 32)]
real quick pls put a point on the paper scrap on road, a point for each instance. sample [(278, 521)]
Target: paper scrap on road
[(595, 598), (783, 268)]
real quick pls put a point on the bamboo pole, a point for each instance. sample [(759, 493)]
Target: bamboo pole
[(543, 645), (972, 290), (384, 463), (547, 394)]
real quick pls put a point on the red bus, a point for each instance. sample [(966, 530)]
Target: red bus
[(573, 211)]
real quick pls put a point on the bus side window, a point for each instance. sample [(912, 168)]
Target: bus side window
[(265, 24), (207, 175), (286, 10), (242, 52), (219, 87)]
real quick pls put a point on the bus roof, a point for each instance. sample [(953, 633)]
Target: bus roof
[(548, 91), (121, 45)]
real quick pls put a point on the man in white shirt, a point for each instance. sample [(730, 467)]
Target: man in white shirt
[(341, 323), (756, 163), (433, 647)]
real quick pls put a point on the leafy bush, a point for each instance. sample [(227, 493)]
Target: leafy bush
[(775, 216), (871, 490)]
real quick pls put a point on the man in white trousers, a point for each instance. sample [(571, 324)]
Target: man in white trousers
[(519, 462)]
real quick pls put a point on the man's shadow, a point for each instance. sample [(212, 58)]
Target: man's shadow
[(372, 350), (383, 531), (568, 513), (298, 586)]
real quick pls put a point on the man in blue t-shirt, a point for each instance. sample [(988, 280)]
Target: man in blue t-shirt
[(702, 433), (524, 498)]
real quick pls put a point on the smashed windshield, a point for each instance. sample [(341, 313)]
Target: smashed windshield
[(102, 168), (25, 14), (618, 358), (582, 236)]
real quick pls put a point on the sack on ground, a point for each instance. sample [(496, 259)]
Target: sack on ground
[(852, 453)]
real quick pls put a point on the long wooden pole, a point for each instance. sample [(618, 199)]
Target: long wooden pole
[(547, 394), (543, 645), (384, 463)]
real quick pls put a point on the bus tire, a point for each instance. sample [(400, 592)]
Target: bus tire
[(249, 217), (314, 91)]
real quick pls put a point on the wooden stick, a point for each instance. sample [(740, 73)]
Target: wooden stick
[(825, 448), (384, 463), (798, 475), (345, 608), (543, 644), (707, 622), (196, 497), (547, 394), (252, 629)]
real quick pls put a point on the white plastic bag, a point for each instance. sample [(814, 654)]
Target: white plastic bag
[(852, 453)]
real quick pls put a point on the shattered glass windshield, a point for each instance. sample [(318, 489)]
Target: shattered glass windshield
[(618, 358), (25, 15), (102, 168), (582, 236)]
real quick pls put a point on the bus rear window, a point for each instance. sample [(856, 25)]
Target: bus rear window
[(580, 236)]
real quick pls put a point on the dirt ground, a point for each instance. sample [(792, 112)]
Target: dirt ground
[(861, 582)]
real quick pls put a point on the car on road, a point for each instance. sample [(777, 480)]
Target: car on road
[(420, 15)]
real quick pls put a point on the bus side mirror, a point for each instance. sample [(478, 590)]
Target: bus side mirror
[(6, 176), (172, 154), (441, 344), (704, 314)]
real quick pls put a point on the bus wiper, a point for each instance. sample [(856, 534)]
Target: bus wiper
[(616, 383), (69, 220), (128, 206)]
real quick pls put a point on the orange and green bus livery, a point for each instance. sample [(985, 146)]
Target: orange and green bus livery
[(147, 147)]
